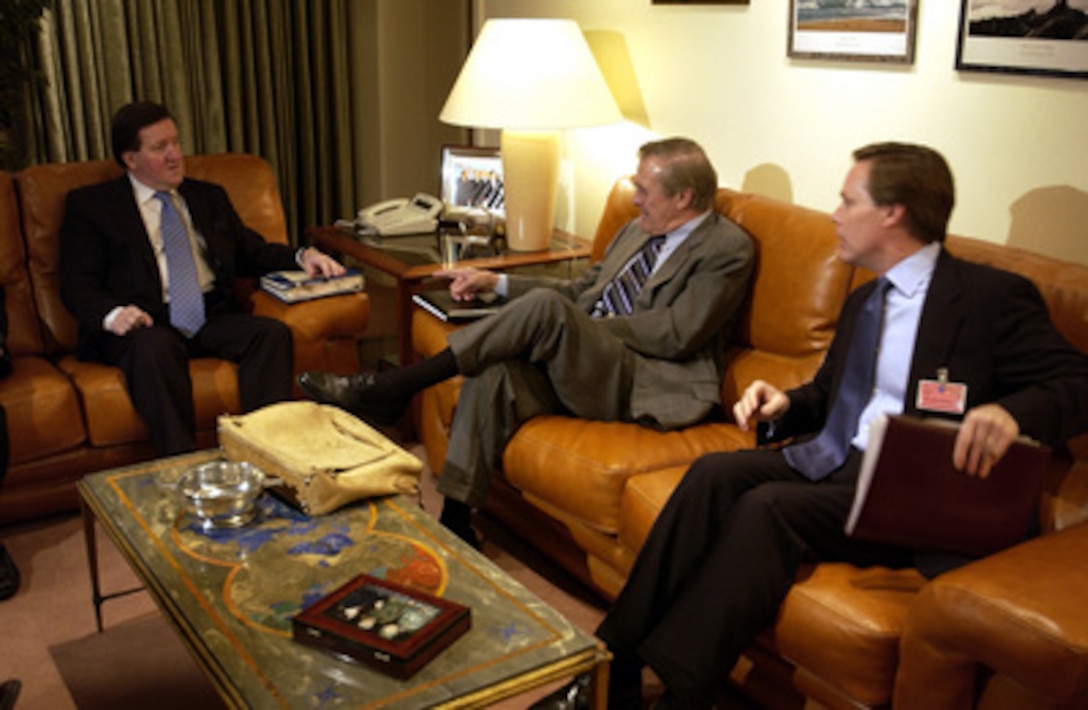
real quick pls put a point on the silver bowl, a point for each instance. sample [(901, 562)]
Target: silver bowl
[(222, 494)]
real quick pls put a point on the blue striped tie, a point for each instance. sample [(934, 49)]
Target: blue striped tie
[(618, 296), (818, 457), (186, 298)]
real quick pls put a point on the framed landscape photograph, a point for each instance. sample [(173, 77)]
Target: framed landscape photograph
[(860, 30), (1025, 36)]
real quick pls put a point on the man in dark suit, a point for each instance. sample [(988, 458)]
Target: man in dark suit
[(597, 346), (115, 276), (726, 548)]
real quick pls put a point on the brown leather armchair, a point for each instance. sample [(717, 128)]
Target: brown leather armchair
[(68, 417)]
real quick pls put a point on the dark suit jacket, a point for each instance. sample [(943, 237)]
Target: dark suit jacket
[(681, 319), (991, 330), (106, 258)]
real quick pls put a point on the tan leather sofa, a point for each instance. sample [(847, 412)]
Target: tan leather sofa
[(1010, 631), (66, 417)]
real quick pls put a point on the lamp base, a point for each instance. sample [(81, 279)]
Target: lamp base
[(530, 166)]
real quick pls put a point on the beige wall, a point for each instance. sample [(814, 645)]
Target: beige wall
[(720, 74), (414, 49)]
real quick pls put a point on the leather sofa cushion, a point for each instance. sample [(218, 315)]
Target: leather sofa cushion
[(842, 625), (833, 611), (43, 411), (605, 455), (111, 420), (799, 285)]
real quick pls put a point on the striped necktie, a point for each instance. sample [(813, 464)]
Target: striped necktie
[(818, 457), (618, 296), (186, 298)]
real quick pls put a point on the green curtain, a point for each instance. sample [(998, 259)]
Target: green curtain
[(269, 77)]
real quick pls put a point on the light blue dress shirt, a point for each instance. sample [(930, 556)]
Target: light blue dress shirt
[(910, 280)]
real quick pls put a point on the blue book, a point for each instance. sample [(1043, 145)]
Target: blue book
[(295, 286)]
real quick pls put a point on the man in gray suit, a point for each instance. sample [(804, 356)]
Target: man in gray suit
[(637, 338)]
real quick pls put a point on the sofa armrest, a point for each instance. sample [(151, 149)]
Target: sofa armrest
[(1019, 614), (315, 323)]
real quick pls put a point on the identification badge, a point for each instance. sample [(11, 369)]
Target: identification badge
[(940, 395)]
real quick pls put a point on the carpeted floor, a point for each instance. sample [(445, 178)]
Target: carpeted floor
[(50, 642)]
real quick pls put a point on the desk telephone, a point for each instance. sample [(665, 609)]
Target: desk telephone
[(401, 215), (419, 215)]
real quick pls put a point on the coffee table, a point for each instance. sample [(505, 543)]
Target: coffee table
[(230, 594)]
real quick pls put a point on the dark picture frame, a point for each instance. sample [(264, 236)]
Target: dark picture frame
[(832, 29), (388, 626), (1022, 42)]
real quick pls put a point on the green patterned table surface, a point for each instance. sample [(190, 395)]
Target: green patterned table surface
[(232, 593)]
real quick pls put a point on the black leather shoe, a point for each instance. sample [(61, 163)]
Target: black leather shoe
[(570, 697), (9, 691), (9, 575), (352, 393)]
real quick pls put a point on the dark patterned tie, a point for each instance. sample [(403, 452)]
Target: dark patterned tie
[(823, 454), (618, 296), (186, 298)]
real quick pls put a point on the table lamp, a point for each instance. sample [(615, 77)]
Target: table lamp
[(530, 78)]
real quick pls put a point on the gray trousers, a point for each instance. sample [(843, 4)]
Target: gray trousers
[(539, 354)]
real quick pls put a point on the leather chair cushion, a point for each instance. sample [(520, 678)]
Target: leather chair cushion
[(43, 411), (111, 420)]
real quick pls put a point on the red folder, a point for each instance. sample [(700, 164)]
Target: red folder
[(908, 493)]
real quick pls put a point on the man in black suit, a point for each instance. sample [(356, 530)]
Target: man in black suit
[(115, 279), (726, 548)]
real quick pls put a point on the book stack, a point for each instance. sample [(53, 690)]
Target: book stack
[(295, 286)]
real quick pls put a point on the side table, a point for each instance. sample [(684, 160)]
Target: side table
[(388, 256)]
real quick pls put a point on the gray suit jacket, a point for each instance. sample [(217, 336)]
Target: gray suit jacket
[(681, 320)]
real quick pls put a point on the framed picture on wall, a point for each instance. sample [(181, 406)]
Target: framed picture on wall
[(849, 29), (1025, 36)]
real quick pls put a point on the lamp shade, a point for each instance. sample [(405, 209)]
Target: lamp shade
[(530, 74)]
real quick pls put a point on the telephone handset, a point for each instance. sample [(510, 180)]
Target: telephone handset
[(417, 215)]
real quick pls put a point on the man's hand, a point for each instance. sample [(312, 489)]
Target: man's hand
[(466, 284), (761, 402), (129, 318), (985, 435), (317, 263)]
